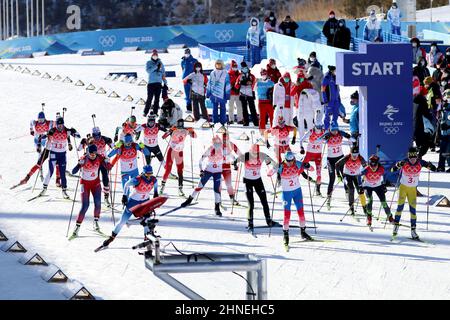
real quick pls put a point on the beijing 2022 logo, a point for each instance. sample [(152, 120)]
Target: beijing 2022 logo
[(391, 127), (107, 41), (224, 35)]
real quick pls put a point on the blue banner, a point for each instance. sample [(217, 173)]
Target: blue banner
[(207, 53), (383, 73)]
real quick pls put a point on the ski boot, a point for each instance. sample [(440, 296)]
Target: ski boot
[(250, 226), (396, 227), (369, 220), (329, 202), (163, 185), (109, 240), (414, 234), (234, 201), (75, 232), (272, 224), (304, 235), (352, 210), (107, 202), (96, 226), (65, 195), (44, 191), (318, 193), (187, 202), (180, 192), (286, 239), (217, 210), (25, 180)]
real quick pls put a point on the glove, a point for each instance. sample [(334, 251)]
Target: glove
[(155, 194), (159, 66), (39, 148), (83, 141), (268, 144), (81, 162), (124, 200), (235, 166), (432, 167), (302, 150), (294, 140), (295, 121), (116, 138), (202, 173), (70, 147), (31, 132)]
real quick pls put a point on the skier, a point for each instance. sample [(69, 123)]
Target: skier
[(128, 127), (283, 101), (314, 152), (137, 191), (289, 172), (90, 165), (228, 158), (352, 166), (410, 173), (373, 182), (333, 140), (331, 97), (188, 66), (245, 83), (281, 134), (197, 82), (171, 113), (264, 89), (127, 152), (57, 145), (175, 152), (151, 130), (218, 91), (253, 161), (213, 169), (100, 142)]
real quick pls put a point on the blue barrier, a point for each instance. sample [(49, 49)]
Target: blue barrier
[(207, 53), (239, 48), (286, 50), (444, 37)]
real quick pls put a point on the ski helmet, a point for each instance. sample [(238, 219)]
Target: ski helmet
[(128, 139), (354, 151), (41, 115), (151, 120), (96, 133), (60, 121), (413, 152), (374, 160), (180, 123), (289, 156), (132, 119), (217, 142), (92, 148), (147, 169)]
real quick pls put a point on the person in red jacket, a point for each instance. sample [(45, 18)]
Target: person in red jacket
[(301, 84), (234, 96), (272, 71)]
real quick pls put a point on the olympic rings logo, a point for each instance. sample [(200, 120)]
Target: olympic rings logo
[(224, 35), (391, 130), (107, 41)]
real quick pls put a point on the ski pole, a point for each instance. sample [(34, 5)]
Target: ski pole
[(428, 197), (93, 119), (132, 110), (76, 190), (40, 169), (112, 201), (393, 196), (114, 192), (273, 204), (312, 205), (252, 133), (236, 189), (165, 153), (64, 111), (192, 165)]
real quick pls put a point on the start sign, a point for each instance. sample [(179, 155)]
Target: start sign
[(383, 72)]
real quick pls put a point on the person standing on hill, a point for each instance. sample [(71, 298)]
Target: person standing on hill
[(330, 27), (156, 75), (188, 66)]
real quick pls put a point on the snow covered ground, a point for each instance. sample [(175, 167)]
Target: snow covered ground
[(358, 264), (440, 14)]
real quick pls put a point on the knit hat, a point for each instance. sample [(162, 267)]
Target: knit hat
[(243, 64), (331, 68), (187, 51), (234, 64), (313, 54), (154, 51), (331, 13), (428, 80), (355, 95)]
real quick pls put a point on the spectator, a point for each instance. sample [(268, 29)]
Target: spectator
[(444, 151), (354, 116), (372, 30), (245, 83), (394, 16), (264, 89), (434, 95), (434, 56), (421, 70), (313, 62), (437, 74), (421, 115), (198, 82), (218, 91), (171, 113), (315, 76), (330, 27), (254, 42), (234, 103), (342, 36), (331, 97), (446, 60), (283, 102), (445, 82), (270, 23), (288, 27), (272, 71), (301, 84), (187, 65), (418, 51), (156, 75)]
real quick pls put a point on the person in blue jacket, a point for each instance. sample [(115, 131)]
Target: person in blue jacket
[(354, 116), (254, 42), (187, 65), (393, 16), (331, 97), (156, 76), (372, 29), (218, 91)]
